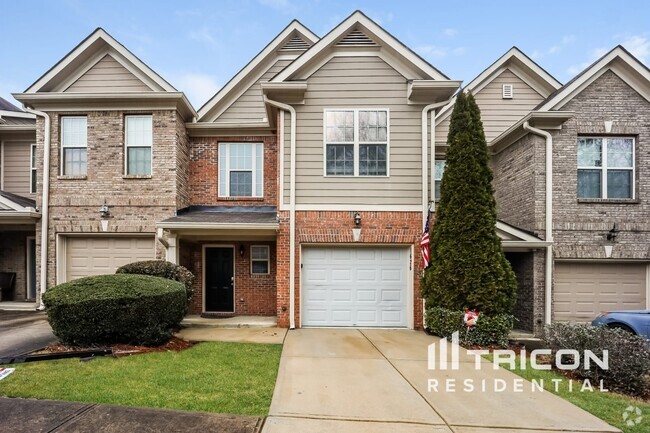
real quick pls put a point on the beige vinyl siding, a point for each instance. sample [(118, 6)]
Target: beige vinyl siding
[(249, 107), (107, 76), (498, 114), (356, 82), (16, 169)]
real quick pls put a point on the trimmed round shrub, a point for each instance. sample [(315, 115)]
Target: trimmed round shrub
[(628, 369), (122, 308), (163, 269), (488, 331)]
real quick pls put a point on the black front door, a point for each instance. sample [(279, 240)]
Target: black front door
[(219, 280)]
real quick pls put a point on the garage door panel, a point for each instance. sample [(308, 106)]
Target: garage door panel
[(98, 255), (354, 286), (582, 290)]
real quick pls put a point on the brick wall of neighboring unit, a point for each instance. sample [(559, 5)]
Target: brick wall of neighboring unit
[(204, 172), (313, 227), (529, 310), (135, 204), (13, 257), (580, 227), (254, 294)]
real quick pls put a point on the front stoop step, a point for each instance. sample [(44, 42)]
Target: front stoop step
[(230, 322), (526, 338)]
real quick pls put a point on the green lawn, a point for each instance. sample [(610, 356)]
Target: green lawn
[(234, 378), (606, 406)]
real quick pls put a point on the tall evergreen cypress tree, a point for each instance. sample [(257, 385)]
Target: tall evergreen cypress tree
[(468, 267)]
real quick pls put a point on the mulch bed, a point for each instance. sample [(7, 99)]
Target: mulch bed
[(120, 350)]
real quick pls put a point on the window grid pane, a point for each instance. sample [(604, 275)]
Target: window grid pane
[(241, 183), (223, 171), (373, 126), (589, 184), (259, 170), (260, 253), (372, 160), (74, 132), (619, 152), (138, 161), (260, 267), (619, 183), (74, 161), (339, 126), (340, 159), (139, 131), (590, 152)]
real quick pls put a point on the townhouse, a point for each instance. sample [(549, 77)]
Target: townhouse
[(300, 189)]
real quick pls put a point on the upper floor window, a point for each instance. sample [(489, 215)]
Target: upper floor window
[(439, 170), (138, 140), (32, 169), (241, 169), (74, 145), (356, 142), (605, 167)]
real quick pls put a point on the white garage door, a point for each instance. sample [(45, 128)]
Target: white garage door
[(582, 290), (87, 256), (354, 286)]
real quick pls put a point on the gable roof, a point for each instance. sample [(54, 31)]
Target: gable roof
[(620, 61), (86, 54), (293, 40), (526, 69), (344, 35)]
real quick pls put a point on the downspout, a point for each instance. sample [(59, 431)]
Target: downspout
[(292, 209), (45, 202), (548, 271), (425, 168)]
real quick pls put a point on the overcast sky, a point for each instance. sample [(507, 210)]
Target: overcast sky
[(199, 45)]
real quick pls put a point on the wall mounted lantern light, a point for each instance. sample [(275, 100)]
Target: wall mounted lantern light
[(356, 231), (357, 219), (241, 250), (104, 214), (612, 234)]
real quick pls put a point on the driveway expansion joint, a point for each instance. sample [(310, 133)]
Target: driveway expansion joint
[(72, 417)]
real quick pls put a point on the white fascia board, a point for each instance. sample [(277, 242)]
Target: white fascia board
[(263, 56), (340, 31), (119, 48), (216, 226), (20, 114)]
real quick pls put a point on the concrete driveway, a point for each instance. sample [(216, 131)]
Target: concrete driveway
[(378, 381), (22, 332)]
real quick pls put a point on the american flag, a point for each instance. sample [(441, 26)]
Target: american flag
[(424, 243)]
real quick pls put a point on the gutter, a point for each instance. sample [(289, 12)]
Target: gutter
[(548, 220), (292, 209), (45, 202)]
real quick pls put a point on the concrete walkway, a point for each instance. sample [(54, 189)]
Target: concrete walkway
[(22, 332), (378, 381), (47, 416)]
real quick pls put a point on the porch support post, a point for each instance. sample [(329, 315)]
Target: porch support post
[(172, 249)]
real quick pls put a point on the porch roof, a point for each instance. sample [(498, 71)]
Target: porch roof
[(223, 217), (16, 209), (513, 238)]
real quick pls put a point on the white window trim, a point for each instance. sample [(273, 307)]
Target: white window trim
[(63, 146), (228, 170), (356, 141), (127, 145), (268, 259), (604, 167), (33, 180), (436, 197)]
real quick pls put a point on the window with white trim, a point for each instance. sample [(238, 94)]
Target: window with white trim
[(356, 142), (241, 169), (74, 145), (606, 167), (32, 169), (260, 259), (138, 131), (439, 170)]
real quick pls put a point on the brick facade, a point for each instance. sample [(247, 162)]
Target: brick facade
[(328, 227), (136, 203), (204, 171), (254, 294), (579, 226)]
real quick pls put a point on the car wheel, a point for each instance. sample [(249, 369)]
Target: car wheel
[(623, 327)]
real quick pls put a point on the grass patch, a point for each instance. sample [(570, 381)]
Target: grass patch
[(605, 405), (236, 378)]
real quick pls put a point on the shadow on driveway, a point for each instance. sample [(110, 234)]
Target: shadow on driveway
[(22, 332)]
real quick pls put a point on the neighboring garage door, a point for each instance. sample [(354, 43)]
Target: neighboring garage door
[(582, 290), (354, 286), (103, 255)]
